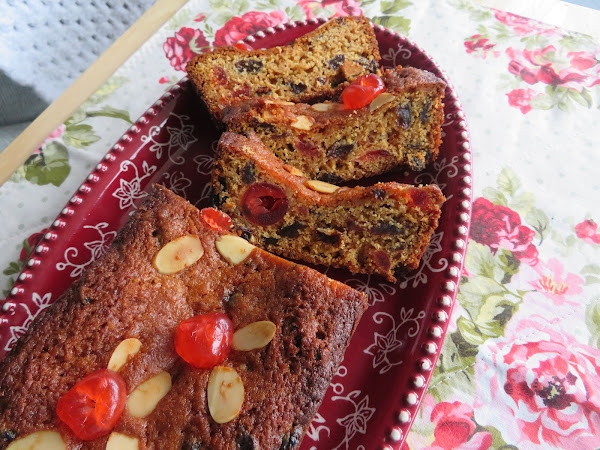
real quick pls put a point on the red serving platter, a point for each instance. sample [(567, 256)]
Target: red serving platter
[(376, 392)]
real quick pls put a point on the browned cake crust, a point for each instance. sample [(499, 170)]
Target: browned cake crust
[(314, 66), (123, 296), (327, 142), (377, 229)]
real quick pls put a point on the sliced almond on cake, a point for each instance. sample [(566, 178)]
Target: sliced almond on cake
[(225, 394), (233, 248), (123, 353), (178, 254), (142, 401), (253, 336)]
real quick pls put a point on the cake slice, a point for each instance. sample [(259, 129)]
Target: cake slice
[(170, 263), (380, 229), (314, 66), (328, 142)]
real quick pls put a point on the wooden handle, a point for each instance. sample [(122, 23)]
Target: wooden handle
[(61, 109)]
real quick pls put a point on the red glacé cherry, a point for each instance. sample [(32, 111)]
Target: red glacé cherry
[(362, 91), (264, 204), (216, 219), (92, 407), (243, 46), (205, 340)]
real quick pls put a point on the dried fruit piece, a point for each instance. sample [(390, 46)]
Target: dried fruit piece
[(249, 65), (216, 219), (234, 248), (178, 254), (204, 340), (145, 397), (329, 236), (362, 91), (293, 170), (92, 407), (307, 147), (248, 173), (335, 62), (339, 149), (321, 186), (225, 394), (123, 353), (375, 154), (264, 204), (380, 100), (119, 441), (303, 123), (46, 440), (405, 115), (253, 336), (297, 88)]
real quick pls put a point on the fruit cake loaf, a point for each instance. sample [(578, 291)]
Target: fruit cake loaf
[(378, 229), (169, 269), (329, 142), (314, 66)]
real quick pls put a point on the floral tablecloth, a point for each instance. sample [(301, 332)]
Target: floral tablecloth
[(519, 365)]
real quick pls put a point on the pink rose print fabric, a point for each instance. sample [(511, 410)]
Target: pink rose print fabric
[(238, 28), (544, 385), (499, 227), (182, 47)]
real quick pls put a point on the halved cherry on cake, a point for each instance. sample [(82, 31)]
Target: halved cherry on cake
[(205, 340), (264, 204), (243, 46), (216, 219), (362, 91), (92, 407)]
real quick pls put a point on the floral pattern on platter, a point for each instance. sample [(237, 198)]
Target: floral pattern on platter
[(549, 67)]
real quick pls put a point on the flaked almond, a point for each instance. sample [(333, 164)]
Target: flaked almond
[(146, 396), (381, 100), (225, 394), (268, 115), (233, 248), (303, 123), (253, 336), (119, 441), (324, 107), (178, 254), (48, 440), (293, 170), (278, 102), (123, 353), (321, 186)]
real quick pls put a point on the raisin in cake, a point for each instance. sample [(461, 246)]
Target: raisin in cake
[(377, 229), (314, 66), (401, 126), (169, 263)]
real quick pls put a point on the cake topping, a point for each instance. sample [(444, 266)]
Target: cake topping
[(362, 91), (204, 341), (324, 107), (321, 186), (92, 407), (243, 46), (234, 248), (145, 397), (264, 204), (48, 440), (225, 394), (216, 219), (303, 123), (253, 336), (178, 254), (381, 100), (293, 170), (124, 351), (119, 441)]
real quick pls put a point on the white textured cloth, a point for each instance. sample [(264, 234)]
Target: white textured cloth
[(46, 44)]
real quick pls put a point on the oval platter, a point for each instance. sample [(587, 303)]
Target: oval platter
[(376, 393)]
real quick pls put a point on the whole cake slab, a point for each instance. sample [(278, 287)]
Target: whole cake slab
[(169, 263)]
